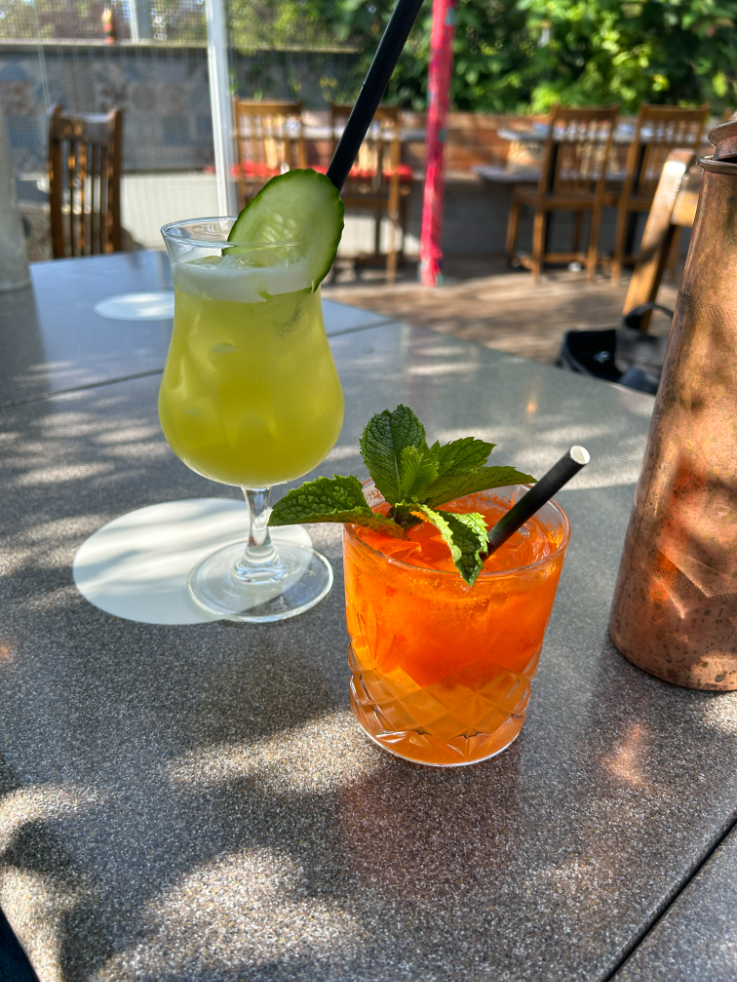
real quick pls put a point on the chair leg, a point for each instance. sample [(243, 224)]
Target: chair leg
[(393, 213), (593, 243), (391, 257), (403, 225), (538, 243), (670, 269), (512, 226), (620, 236)]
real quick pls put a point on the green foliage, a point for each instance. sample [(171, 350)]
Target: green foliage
[(681, 52), (510, 55), (526, 55), (277, 24)]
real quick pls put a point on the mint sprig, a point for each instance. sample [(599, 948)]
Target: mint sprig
[(415, 480)]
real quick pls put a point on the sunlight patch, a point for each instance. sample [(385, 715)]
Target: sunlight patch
[(292, 760), (244, 910)]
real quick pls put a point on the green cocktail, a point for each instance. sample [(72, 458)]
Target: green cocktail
[(250, 395)]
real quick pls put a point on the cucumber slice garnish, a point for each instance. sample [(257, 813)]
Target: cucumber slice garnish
[(302, 208)]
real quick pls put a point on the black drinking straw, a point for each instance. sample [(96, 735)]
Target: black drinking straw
[(373, 88), (549, 484)]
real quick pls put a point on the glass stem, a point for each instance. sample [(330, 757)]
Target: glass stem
[(260, 561)]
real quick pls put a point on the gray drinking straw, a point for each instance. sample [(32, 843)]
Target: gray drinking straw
[(549, 484), (373, 88)]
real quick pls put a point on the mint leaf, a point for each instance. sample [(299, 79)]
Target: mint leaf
[(461, 456), (331, 499), (465, 536), (453, 485), (385, 437), (418, 469)]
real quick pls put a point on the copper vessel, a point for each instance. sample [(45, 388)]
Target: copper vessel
[(675, 604)]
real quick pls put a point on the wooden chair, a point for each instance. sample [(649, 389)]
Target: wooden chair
[(673, 208), (85, 163), (659, 130), (378, 181), (603, 352), (574, 169), (269, 141)]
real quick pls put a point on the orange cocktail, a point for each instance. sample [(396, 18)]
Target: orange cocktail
[(441, 670)]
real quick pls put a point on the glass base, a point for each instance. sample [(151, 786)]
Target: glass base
[(300, 579), (452, 722), (419, 746), (417, 757)]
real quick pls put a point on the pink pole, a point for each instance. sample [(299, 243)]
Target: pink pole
[(440, 73)]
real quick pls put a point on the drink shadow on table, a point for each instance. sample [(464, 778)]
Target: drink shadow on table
[(433, 834)]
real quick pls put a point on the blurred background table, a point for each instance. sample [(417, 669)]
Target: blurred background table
[(197, 802), (537, 132)]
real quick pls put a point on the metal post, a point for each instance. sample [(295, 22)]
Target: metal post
[(220, 103), (139, 17), (440, 75), (13, 255)]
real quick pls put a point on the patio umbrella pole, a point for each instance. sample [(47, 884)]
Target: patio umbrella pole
[(220, 104), (373, 88), (440, 74), (13, 255)]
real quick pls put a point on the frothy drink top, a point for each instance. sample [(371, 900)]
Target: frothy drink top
[(237, 278)]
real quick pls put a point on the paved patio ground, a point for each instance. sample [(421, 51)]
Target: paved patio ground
[(483, 300)]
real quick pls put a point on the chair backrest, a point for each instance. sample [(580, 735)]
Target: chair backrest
[(269, 141), (377, 163), (659, 130), (85, 163), (577, 151), (660, 226)]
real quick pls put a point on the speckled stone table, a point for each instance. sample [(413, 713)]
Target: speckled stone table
[(197, 803), (697, 937)]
